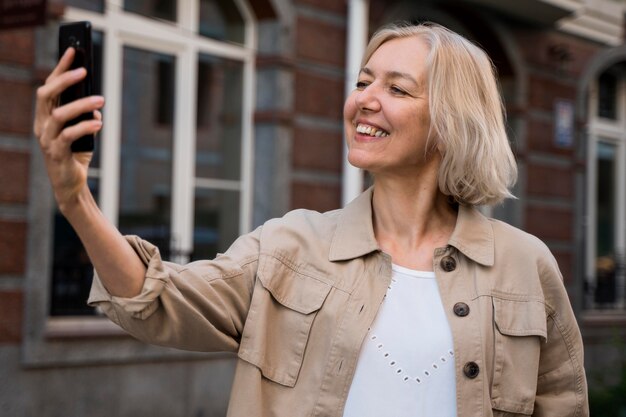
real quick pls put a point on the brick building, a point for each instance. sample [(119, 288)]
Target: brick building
[(251, 92)]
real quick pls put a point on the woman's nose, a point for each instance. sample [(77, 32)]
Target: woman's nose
[(367, 99)]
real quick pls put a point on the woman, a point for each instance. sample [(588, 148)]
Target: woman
[(407, 302)]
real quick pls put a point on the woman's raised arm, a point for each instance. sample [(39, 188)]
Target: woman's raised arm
[(117, 264)]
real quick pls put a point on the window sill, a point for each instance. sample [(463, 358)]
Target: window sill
[(81, 341), (603, 318), (79, 327)]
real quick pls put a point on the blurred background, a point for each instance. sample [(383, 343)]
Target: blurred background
[(223, 113)]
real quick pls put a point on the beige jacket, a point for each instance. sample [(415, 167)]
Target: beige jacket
[(295, 298)]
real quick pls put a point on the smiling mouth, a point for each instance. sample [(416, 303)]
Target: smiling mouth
[(371, 131)]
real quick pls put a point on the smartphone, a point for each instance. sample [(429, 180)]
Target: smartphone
[(78, 36)]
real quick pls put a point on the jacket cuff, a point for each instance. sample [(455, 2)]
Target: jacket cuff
[(146, 302)]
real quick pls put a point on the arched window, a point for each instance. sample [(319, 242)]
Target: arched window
[(174, 76), (173, 162), (606, 200)]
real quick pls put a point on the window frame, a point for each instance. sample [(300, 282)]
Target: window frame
[(46, 337), (611, 132)]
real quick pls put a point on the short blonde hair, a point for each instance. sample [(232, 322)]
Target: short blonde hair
[(466, 112)]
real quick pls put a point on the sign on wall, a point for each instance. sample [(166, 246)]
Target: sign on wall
[(22, 13), (563, 123)]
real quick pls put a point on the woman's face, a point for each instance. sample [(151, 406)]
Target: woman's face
[(386, 117)]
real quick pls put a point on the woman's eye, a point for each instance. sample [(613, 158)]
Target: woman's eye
[(398, 91), (361, 85)]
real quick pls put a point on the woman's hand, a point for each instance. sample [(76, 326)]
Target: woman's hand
[(67, 170)]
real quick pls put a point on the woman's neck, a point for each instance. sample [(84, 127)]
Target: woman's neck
[(411, 218)]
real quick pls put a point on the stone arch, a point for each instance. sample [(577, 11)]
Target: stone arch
[(483, 30), (601, 62)]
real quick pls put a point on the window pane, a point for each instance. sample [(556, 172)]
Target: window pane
[(605, 244), (216, 222), (607, 96), (159, 9), (72, 272), (220, 96), (91, 5), (97, 39), (221, 20), (146, 147)]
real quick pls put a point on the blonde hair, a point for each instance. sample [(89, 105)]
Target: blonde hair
[(466, 113)]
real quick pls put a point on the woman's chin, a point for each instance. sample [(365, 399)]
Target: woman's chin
[(359, 161)]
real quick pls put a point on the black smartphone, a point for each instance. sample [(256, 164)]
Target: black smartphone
[(78, 36)]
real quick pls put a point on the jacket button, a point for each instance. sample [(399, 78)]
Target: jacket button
[(461, 309), (448, 263), (471, 370)]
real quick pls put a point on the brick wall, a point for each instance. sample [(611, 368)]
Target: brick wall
[(317, 151), (11, 307), (553, 62), (17, 48)]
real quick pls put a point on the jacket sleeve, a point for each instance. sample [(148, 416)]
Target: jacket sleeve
[(201, 306), (561, 384)]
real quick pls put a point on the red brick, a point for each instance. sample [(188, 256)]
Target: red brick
[(17, 46), (542, 92), (16, 114), (536, 46), (564, 258), (317, 149), (319, 96), (549, 223), (11, 313), (326, 5), (320, 197), (12, 247), (14, 174), (320, 41), (540, 137), (550, 181)]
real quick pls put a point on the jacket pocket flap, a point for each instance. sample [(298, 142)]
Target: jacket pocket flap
[(295, 290), (520, 318)]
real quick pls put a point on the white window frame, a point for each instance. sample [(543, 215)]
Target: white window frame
[(44, 343), (180, 39), (612, 132)]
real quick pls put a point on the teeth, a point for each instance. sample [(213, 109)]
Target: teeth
[(371, 130)]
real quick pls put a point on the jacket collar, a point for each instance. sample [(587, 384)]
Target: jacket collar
[(354, 236)]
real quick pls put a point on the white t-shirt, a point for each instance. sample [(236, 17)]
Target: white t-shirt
[(406, 364)]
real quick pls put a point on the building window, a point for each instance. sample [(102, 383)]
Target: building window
[(72, 272), (606, 243), (172, 163), (221, 20), (91, 5), (157, 9), (218, 154), (147, 147)]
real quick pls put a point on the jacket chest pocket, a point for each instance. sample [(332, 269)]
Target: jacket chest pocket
[(520, 328), (283, 307)]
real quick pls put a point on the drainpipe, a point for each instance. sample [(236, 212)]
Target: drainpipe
[(352, 179)]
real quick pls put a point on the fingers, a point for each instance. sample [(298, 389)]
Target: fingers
[(61, 115), (54, 86), (53, 127), (64, 63), (59, 149), (47, 95), (58, 80), (71, 133), (97, 114)]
